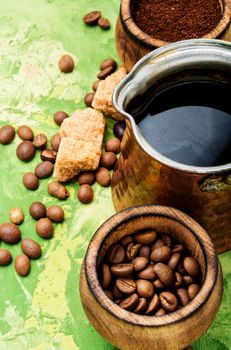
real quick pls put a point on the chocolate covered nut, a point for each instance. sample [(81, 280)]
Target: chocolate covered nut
[(44, 170), (130, 303), (95, 85), (139, 263), (153, 305), (178, 280), (141, 307), (66, 64), (91, 18), (59, 117), (37, 210), (55, 213), (87, 177), (16, 216), (9, 233), (182, 294), (57, 190), (44, 228), (145, 251), (104, 23), (168, 301), (22, 265), (25, 133), (132, 250), (174, 260), (108, 62), (113, 145), (31, 248), (161, 254), (85, 194), (122, 270), (105, 276), (7, 134), (192, 266), (145, 237), (55, 142), (89, 98), (108, 160), (103, 177), (30, 181), (160, 312), (126, 240), (165, 274), (40, 141), (148, 273), (109, 294), (159, 284), (145, 289), (126, 286), (25, 151), (5, 257), (103, 74), (116, 254), (119, 129), (48, 155), (193, 290)]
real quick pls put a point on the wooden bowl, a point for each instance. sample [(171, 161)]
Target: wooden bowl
[(127, 330), (132, 43)]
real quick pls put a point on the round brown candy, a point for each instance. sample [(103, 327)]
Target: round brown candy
[(103, 177), (5, 257), (16, 216), (108, 62), (10, 233), (113, 145), (37, 210), (44, 170), (31, 248), (66, 64), (104, 23), (91, 18), (25, 151), (88, 99), (40, 141), (44, 228), (85, 194), (87, 177), (95, 85), (25, 133), (59, 117), (30, 181), (22, 265), (7, 134), (48, 155), (55, 213), (55, 141), (118, 130), (108, 160), (103, 74)]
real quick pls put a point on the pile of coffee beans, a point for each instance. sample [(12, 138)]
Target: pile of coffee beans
[(94, 18), (150, 274)]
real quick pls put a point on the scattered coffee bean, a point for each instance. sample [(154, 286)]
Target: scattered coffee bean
[(7, 134), (40, 141), (108, 160), (85, 194), (91, 18), (103, 177), (22, 265), (25, 151), (182, 294), (95, 85), (9, 233), (139, 263), (122, 270), (119, 129), (57, 190), (104, 23), (48, 155), (192, 266), (113, 145), (88, 99), (16, 216), (116, 254), (141, 307), (126, 285), (87, 177), (165, 274), (55, 213), (59, 117), (145, 289), (5, 257), (193, 290), (44, 228), (130, 303), (30, 181), (168, 301), (66, 64), (153, 305), (44, 170), (37, 210), (105, 276), (31, 248), (25, 133), (108, 62), (161, 254), (55, 141), (146, 237), (103, 74)]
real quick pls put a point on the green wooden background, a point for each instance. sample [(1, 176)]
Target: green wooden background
[(43, 311)]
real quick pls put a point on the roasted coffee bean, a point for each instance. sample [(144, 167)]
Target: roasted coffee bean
[(44, 228), (113, 145), (193, 290), (31, 248), (132, 250), (161, 254), (85, 194), (117, 293), (5, 257), (174, 260), (145, 252), (108, 160), (48, 155), (109, 294), (44, 169), (192, 266), (104, 23), (139, 263), (126, 240), (145, 237), (181, 268), (165, 274), (116, 254), (95, 85), (87, 177), (55, 213), (188, 279), (159, 243), (179, 248), (9, 233), (108, 62), (103, 177), (126, 286), (159, 284), (25, 151), (122, 270), (55, 141), (7, 134), (40, 141), (37, 210), (178, 280), (16, 216), (182, 294), (160, 312), (103, 74), (141, 307), (153, 305), (30, 181), (66, 64), (130, 303), (91, 18), (88, 99), (119, 129), (57, 190), (25, 133), (59, 117), (145, 289), (148, 273), (22, 265), (168, 301), (105, 276), (167, 240)]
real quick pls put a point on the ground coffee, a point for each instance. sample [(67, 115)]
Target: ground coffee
[(173, 20)]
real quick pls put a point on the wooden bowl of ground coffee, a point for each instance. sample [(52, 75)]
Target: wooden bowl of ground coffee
[(144, 25), (138, 321)]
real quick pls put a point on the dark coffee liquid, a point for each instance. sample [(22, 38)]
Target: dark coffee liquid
[(190, 123)]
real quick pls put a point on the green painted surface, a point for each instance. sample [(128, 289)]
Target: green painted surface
[(43, 311)]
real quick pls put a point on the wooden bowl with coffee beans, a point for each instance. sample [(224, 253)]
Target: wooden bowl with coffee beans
[(151, 279)]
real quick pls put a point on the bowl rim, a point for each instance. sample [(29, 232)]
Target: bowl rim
[(205, 243), (138, 35)]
